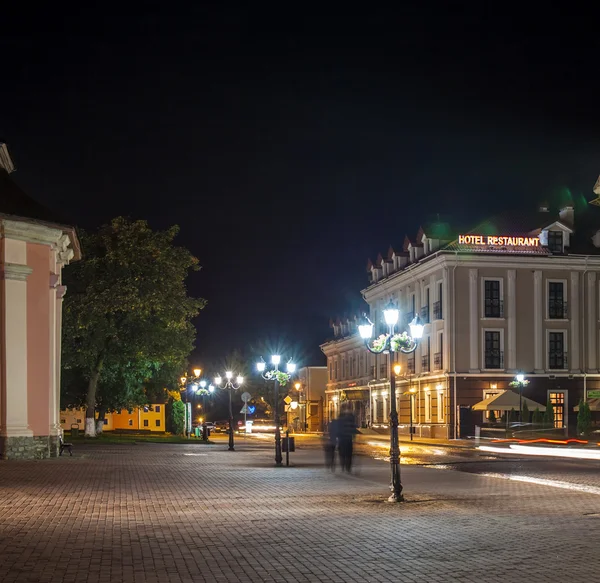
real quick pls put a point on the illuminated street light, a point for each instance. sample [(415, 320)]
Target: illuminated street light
[(279, 378), (520, 382), (230, 386), (391, 343)]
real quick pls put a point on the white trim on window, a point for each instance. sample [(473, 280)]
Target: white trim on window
[(428, 401), (413, 397), (441, 406), (483, 331), (547, 299), (483, 280)]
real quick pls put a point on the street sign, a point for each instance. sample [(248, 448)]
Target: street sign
[(593, 394), (244, 409), (287, 400), (246, 396)]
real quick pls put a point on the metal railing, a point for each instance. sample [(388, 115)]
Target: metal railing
[(557, 309), (494, 308), (557, 360), (410, 365), (425, 314), (425, 363), (437, 361), (437, 310)]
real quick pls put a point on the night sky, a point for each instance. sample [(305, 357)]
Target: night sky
[(292, 145)]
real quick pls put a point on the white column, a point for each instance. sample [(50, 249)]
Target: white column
[(13, 388), (448, 320), (573, 363), (592, 326), (512, 321), (374, 410), (60, 293), (385, 407), (538, 306), (473, 322)]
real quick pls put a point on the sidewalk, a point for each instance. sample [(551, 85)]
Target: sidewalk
[(156, 513)]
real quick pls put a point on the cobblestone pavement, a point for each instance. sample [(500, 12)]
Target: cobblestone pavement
[(162, 513)]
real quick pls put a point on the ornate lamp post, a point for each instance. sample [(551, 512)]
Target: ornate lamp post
[(279, 378), (391, 343), (520, 381), (231, 386)]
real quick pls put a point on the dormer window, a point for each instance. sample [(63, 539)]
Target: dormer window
[(555, 241)]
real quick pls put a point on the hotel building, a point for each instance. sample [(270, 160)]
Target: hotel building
[(516, 294)]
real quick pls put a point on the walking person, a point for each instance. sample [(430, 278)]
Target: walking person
[(346, 431)]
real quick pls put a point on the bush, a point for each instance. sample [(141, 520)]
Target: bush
[(178, 417), (549, 415), (584, 418), (537, 417), (492, 417)]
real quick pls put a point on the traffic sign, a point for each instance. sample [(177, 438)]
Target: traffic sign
[(246, 396), (287, 400), (244, 409)]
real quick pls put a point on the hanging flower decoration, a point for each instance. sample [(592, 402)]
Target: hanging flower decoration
[(523, 383), (380, 342), (401, 342), (283, 378)]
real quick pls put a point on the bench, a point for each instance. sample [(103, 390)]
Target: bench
[(64, 446)]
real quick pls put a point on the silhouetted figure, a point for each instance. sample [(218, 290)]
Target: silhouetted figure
[(331, 444), (346, 430)]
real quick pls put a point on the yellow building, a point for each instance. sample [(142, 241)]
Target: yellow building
[(149, 418)]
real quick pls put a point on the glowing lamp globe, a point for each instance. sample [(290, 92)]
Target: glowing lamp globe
[(218, 380), (203, 384), (275, 359), (291, 367), (211, 389), (390, 314), (520, 378), (365, 331), (240, 380), (260, 366), (197, 372), (228, 375), (416, 328)]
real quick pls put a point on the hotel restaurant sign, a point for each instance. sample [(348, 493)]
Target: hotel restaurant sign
[(495, 241)]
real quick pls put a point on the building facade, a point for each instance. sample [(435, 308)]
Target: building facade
[(150, 418), (518, 294), (34, 248), (308, 391)]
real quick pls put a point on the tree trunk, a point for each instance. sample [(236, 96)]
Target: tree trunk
[(90, 422), (100, 420)]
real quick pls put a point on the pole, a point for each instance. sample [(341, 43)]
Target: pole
[(410, 397), (278, 458), (396, 484), (520, 403), (230, 423), (287, 449)]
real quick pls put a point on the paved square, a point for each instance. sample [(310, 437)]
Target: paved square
[(183, 513)]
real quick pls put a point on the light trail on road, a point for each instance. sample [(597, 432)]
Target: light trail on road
[(582, 454)]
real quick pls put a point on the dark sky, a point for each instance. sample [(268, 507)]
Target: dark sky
[(290, 145)]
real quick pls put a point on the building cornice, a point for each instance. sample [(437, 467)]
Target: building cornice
[(30, 232), (15, 271)]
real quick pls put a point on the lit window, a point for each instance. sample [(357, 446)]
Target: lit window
[(427, 406), (441, 406)]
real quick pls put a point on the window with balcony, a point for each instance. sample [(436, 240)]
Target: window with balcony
[(555, 241), (383, 371), (494, 356), (557, 306), (425, 308), (557, 356), (425, 363), (410, 365), (493, 305), (427, 407)]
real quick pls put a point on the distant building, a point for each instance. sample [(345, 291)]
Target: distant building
[(34, 247), (150, 418), (308, 390), (516, 294)]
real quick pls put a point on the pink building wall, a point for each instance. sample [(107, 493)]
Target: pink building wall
[(38, 338)]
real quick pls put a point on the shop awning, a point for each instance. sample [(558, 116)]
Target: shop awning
[(505, 401), (593, 403)]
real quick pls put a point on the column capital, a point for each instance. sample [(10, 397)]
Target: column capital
[(15, 271), (512, 274), (473, 274), (591, 277)]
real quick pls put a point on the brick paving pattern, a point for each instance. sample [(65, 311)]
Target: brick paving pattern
[(154, 513)]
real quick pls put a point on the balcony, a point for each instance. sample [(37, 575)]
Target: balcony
[(425, 314), (425, 363), (437, 361), (557, 310), (410, 365), (557, 360), (437, 310), (494, 308), (494, 359)]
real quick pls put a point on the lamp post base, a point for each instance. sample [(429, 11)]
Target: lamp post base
[(395, 498)]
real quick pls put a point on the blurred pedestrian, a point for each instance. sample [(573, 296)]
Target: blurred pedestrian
[(346, 430), (331, 444)]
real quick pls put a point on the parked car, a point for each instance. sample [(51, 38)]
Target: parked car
[(210, 425), (221, 427)]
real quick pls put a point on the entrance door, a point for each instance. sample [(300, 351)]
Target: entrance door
[(557, 399)]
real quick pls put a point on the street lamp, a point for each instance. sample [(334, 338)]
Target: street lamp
[(391, 343), (231, 386), (278, 377), (520, 382)]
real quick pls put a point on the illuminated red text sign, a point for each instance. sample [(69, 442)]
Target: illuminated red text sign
[(494, 241)]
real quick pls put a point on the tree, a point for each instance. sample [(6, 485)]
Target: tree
[(178, 417), (525, 412), (127, 316), (584, 418), (537, 417), (549, 415), (492, 417)]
